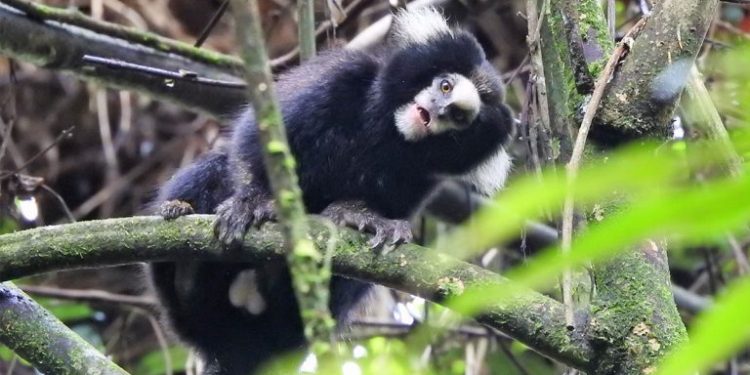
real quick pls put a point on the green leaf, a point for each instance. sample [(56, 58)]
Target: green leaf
[(716, 334)]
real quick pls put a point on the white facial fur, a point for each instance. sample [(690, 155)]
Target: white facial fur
[(244, 293), (463, 94), (418, 26), (489, 176)]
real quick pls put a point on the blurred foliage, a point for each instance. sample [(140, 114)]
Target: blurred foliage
[(154, 364)]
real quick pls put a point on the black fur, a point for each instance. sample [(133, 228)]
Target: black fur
[(338, 110)]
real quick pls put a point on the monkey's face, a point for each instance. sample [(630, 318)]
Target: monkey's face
[(450, 103)]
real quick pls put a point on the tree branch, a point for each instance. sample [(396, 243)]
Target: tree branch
[(48, 39), (532, 318), (40, 338), (310, 276), (641, 99)]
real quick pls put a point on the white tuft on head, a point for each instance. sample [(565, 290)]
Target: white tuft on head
[(489, 176), (419, 26)]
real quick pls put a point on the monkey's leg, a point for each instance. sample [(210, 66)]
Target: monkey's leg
[(253, 206), (357, 215)]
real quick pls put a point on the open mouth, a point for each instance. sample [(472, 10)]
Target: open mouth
[(424, 116)]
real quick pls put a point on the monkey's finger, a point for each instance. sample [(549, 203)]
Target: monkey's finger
[(172, 209), (376, 240), (361, 225), (387, 249)]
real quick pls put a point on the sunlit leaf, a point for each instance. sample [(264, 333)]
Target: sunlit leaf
[(715, 335)]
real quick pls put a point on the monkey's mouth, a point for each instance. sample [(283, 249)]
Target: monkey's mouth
[(424, 116)]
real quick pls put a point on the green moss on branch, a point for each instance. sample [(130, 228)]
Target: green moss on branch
[(532, 318), (641, 99), (40, 338)]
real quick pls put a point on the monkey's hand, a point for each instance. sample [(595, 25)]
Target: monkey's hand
[(170, 210), (237, 214), (356, 214)]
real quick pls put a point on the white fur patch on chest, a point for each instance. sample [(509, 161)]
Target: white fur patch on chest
[(244, 292), (489, 176)]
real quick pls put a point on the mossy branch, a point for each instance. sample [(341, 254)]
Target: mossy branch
[(72, 17), (532, 318), (641, 99), (637, 318), (310, 275), (575, 46), (43, 340), (58, 39)]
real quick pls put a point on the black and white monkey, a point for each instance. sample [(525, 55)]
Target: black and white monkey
[(373, 132)]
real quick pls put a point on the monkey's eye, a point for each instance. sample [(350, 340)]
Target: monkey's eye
[(445, 86)]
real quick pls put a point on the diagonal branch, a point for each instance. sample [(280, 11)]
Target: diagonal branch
[(57, 44), (40, 338)]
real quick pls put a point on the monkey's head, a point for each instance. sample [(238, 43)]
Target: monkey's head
[(438, 80), (450, 102)]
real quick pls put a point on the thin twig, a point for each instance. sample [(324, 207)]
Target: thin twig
[(611, 17), (12, 365), (64, 134), (523, 65), (512, 357), (91, 296), (306, 29), (577, 154), (535, 21), (733, 29), (60, 199), (211, 24), (708, 119), (112, 172), (162, 340), (739, 254), (106, 192), (350, 11), (7, 127)]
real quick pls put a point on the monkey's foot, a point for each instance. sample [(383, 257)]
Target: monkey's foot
[(170, 210), (356, 215), (237, 214)]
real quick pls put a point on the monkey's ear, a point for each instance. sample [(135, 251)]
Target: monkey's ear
[(418, 26)]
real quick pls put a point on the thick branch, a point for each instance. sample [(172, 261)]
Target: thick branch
[(56, 44), (641, 99), (635, 311), (530, 317), (575, 47), (40, 338)]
